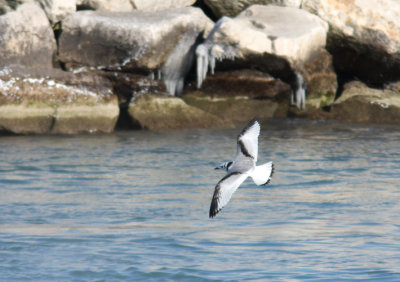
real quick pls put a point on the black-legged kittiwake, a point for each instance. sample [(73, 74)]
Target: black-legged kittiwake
[(243, 166)]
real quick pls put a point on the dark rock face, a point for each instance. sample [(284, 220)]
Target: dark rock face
[(247, 83), (127, 85), (236, 110), (356, 60)]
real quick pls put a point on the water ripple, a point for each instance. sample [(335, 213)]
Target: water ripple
[(134, 206)]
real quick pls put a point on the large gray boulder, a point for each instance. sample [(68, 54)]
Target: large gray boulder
[(36, 105), (287, 32), (358, 103), (233, 8), (86, 118), (364, 36), (277, 40), (160, 112), (135, 41), (26, 38), (25, 119)]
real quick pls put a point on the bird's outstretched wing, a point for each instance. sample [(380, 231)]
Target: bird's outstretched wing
[(224, 190), (247, 141)]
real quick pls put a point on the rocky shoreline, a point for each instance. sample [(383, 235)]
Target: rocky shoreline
[(83, 66)]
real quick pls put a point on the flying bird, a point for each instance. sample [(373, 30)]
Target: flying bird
[(243, 166)]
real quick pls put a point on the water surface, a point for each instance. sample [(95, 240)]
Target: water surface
[(134, 206)]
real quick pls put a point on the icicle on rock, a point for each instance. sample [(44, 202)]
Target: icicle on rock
[(300, 89), (178, 64), (209, 51), (202, 63)]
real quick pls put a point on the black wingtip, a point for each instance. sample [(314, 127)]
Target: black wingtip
[(213, 212), (214, 208), (270, 176)]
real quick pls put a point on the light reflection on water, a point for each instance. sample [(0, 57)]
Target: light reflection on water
[(134, 205)]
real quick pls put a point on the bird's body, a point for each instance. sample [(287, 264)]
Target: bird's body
[(243, 166)]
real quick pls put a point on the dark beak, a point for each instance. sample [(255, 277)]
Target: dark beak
[(216, 168)]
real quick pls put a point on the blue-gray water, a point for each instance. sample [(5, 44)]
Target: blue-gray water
[(134, 206)]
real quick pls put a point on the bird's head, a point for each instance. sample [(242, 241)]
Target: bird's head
[(224, 166)]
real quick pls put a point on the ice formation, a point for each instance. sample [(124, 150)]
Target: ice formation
[(178, 64), (209, 51), (300, 92), (212, 49)]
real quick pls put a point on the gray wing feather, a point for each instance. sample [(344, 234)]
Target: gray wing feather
[(224, 191)]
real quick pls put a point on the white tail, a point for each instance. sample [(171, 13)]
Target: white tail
[(262, 174)]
